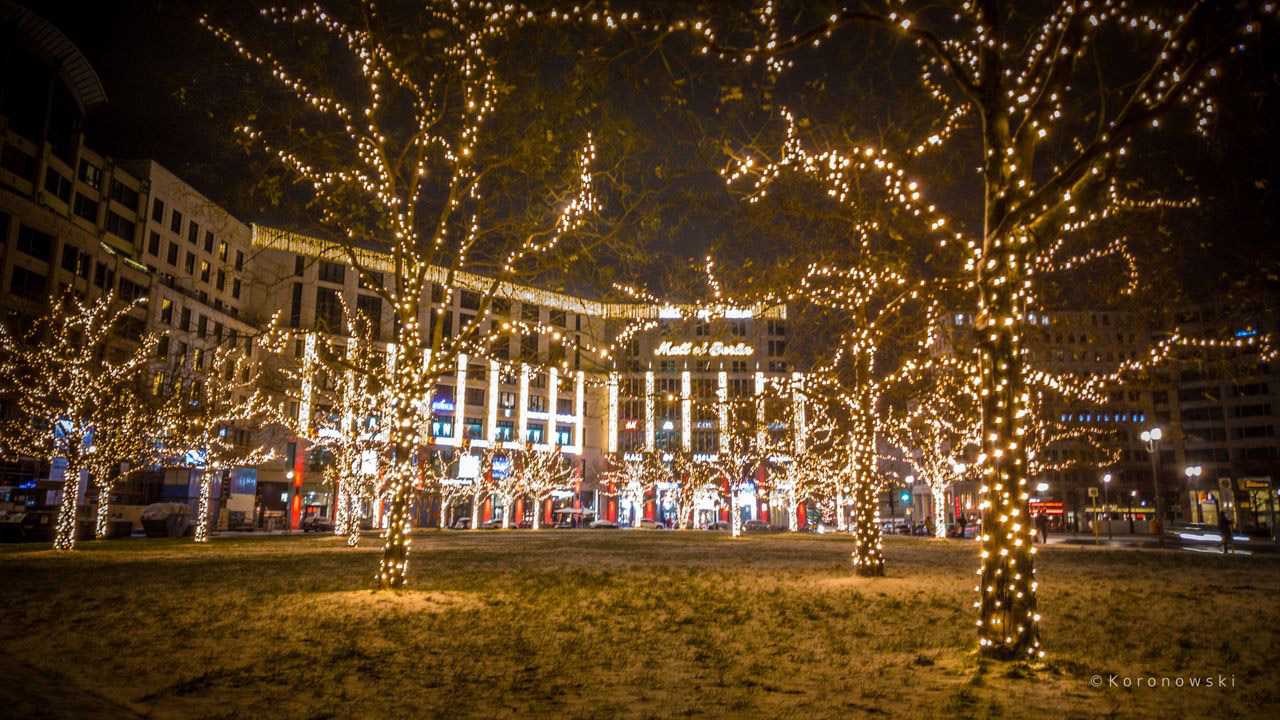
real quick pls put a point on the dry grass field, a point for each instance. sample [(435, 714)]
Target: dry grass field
[(625, 624)]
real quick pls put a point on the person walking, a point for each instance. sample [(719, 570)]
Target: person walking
[(1224, 527), (1042, 528), (962, 521)]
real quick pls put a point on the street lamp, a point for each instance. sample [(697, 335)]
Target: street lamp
[(1193, 475), (1152, 439), (1106, 482)]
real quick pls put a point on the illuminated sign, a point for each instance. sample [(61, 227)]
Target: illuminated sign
[(442, 405), (704, 349), (631, 425), (501, 466)]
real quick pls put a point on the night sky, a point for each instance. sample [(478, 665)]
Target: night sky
[(151, 57)]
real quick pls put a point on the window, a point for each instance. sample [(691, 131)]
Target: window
[(172, 256), (374, 282), (37, 244), (474, 396), (295, 307), (208, 241), (175, 222), (564, 406), (103, 276), (193, 232), (738, 366), (70, 257), (56, 184), (506, 431), (235, 288), (90, 174), (116, 224), (558, 318), (777, 348), (153, 244), (222, 280), (329, 310), (202, 326), (738, 328), (529, 313), (190, 264), (124, 195), (299, 266), (222, 250), (239, 260), (529, 346), (536, 433), (13, 159), (86, 208), (26, 283), (185, 323), (472, 428), (469, 300), (370, 306), (204, 271), (130, 290), (442, 427), (564, 435), (157, 210), (166, 311), (537, 403), (777, 328), (332, 272)]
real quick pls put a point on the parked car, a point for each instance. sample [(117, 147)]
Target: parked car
[(462, 523), (717, 525), (315, 523), (491, 524), (603, 525), (648, 524), (755, 526)]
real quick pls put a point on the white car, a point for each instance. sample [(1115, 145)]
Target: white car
[(648, 524), (603, 525)]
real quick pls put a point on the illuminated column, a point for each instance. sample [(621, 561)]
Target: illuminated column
[(648, 410), (492, 432), (611, 415), (553, 392), (459, 397), (760, 420), (797, 412), (304, 428), (579, 407), (522, 426), (722, 395), (686, 411)]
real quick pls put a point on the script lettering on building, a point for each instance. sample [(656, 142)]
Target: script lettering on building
[(703, 349)]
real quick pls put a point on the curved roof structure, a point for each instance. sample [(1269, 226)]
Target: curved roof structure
[(80, 77)]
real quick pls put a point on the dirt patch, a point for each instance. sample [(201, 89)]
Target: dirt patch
[(374, 602)]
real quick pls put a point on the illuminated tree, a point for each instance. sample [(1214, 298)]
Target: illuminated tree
[(66, 380), (130, 438), (634, 475), (692, 478), (1051, 125), (423, 169), (540, 473), (217, 403)]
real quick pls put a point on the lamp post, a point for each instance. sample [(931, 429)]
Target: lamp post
[(1152, 439), (1106, 482), (1193, 474)]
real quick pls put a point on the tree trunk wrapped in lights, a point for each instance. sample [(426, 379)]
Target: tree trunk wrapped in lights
[(540, 473), (66, 388)]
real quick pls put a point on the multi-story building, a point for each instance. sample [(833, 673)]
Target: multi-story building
[(1216, 417)]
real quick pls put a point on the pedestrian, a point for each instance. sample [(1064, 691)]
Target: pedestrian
[(1042, 527), (962, 521), (1224, 527)]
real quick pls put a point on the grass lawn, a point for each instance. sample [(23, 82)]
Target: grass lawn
[(600, 624)]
